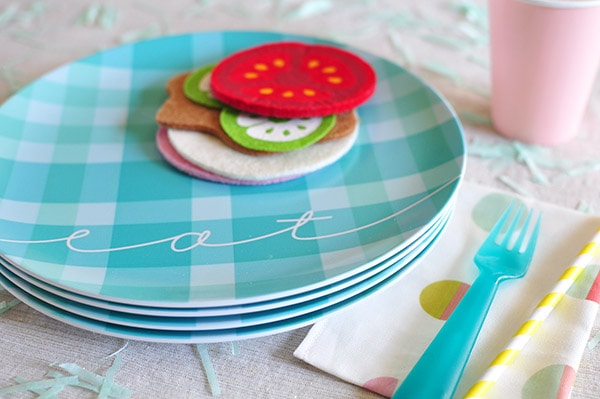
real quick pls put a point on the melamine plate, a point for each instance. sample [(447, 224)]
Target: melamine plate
[(171, 322), (170, 335), (89, 206), (236, 310)]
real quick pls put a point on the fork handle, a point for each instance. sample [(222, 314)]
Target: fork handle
[(438, 371)]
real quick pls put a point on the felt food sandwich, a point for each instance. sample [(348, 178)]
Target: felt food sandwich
[(264, 115)]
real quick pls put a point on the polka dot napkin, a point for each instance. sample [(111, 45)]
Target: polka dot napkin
[(375, 343)]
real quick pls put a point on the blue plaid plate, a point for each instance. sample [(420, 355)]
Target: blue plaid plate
[(203, 330), (132, 318), (88, 205), (236, 310)]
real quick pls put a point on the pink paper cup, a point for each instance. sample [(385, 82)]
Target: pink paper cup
[(545, 55)]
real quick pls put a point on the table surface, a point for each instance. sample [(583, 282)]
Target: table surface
[(442, 41)]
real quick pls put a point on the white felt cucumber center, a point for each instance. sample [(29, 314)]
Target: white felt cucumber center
[(277, 130)]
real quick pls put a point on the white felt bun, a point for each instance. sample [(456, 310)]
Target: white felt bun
[(211, 154)]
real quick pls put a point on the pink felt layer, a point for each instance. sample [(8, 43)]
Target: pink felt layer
[(177, 161)]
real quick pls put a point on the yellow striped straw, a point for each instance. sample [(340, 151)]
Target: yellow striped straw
[(505, 358)]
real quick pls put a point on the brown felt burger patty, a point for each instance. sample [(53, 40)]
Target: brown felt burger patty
[(179, 112)]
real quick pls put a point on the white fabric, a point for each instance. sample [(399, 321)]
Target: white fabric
[(385, 335)]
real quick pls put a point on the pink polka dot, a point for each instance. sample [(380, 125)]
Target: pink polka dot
[(594, 293), (382, 385)]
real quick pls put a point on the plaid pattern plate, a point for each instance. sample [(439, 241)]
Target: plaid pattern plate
[(88, 205), (215, 329), (349, 285)]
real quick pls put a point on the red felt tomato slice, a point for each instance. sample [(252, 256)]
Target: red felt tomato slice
[(293, 80)]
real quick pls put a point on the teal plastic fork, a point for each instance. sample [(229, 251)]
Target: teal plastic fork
[(438, 371)]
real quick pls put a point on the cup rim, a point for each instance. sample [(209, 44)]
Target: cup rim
[(564, 3)]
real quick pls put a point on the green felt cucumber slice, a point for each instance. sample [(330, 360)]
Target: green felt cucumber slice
[(274, 134), (197, 88)]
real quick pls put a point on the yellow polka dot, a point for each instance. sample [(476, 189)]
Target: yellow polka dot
[(279, 63), (266, 90), (309, 92), (251, 75), (261, 67), (312, 64), (335, 80), (329, 69), (288, 94)]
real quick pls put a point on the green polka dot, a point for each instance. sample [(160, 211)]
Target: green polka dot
[(197, 90), (581, 287), (440, 298), (274, 134), (488, 209), (554, 381)]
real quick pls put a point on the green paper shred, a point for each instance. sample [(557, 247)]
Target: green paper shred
[(400, 47), (157, 29), (98, 15), (89, 15), (475, 118), (404, 21), (8, 14), (308, 9), (28, 16), (442, 70), (108, 18), (535, 158), (94, 380), (447, 41), (590, 166), (52, 391), (6, 306), (476, 35), (513, 185), (54, 374), (140, 34), (479, 60), (397, 19), (121, 349), (585, 207), (211, 376), (55, 381), (80, 384), (108, 383), (22, 381), (473, 13), (235, 350), (483, 149), (38, 385), (592, 343), (524, 155)]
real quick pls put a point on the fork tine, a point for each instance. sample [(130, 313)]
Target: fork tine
[(497, 229), (524, 228), (513, 225), (533, 238)]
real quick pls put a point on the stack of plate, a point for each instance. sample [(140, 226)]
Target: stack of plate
[(97, 231)]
